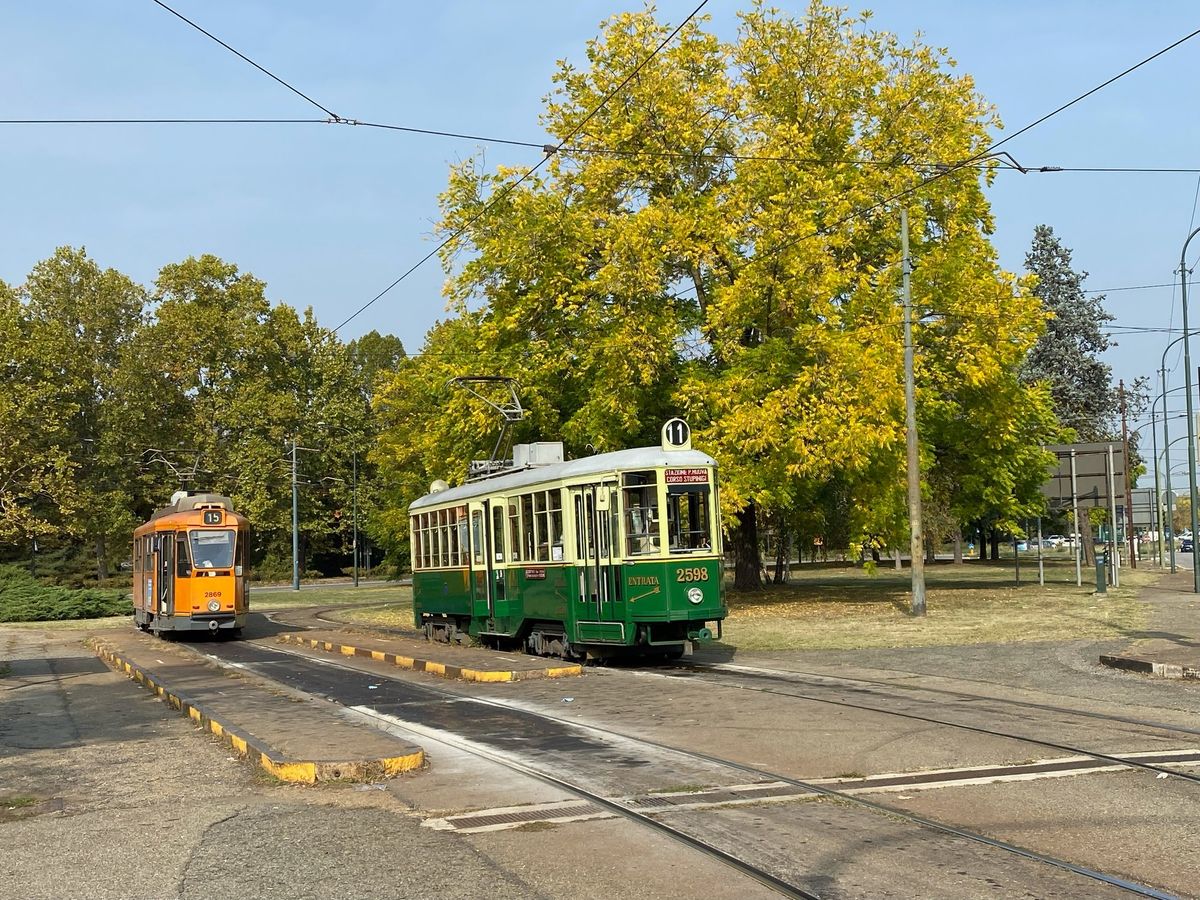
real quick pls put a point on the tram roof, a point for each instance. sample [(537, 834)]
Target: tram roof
[(600, 464)]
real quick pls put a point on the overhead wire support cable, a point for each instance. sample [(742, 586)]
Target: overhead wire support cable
[(242, 56), (950, 168), (167, 122), (508, 189)]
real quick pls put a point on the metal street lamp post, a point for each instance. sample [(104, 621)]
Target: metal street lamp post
[(1187, 373)]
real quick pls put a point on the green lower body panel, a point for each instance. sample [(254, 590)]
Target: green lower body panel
[(605, 632)]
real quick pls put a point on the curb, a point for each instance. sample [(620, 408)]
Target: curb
[(303, 771), (1148, 667), (434, 668)]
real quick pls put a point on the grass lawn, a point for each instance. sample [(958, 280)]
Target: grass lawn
[(831, 607), (316, 595)]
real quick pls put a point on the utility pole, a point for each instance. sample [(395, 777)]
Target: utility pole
[(354, 501), (1128, 488), (1191, 424), (916, 541), (295, 521)]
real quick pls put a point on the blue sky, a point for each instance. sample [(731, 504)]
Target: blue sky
[(329, 216)]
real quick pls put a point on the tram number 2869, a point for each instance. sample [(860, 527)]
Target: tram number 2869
[(691, 574)]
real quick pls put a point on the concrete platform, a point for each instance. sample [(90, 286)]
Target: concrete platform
[(1170, 646), (294, 738), (444, 660)]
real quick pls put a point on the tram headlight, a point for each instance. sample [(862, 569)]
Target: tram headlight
[(214, 605), (695, 595)]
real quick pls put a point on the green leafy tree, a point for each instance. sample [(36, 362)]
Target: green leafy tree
[(36, 492), (697, 251), (1067, 356), (80, 320), (245, 378)]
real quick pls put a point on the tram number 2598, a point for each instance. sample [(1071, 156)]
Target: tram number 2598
[(691, 574)]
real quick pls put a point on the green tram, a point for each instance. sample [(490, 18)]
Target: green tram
[(613, 553)]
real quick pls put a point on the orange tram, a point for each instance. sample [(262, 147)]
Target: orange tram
[(189, 565)]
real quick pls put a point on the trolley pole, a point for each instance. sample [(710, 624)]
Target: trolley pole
[(916, 542), (295, 522)]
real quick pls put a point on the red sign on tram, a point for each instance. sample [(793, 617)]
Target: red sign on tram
[(687, 476)]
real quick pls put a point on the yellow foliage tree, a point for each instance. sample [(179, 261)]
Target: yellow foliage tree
[(714, 241)]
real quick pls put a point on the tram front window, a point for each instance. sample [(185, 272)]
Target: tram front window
[(688, 517), (212, 549), (640, 496)]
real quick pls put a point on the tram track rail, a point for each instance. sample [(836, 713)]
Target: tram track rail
[(766, 878), (795, 676), (977, 729)]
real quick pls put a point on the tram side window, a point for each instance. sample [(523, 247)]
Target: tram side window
[(427, 549), (688, 517), (640, 495), (514, 529), (239, 553), (541, 526), (556, 525), (183, 563), (460, 541), (477, 537), (528, 539), (498, 532)]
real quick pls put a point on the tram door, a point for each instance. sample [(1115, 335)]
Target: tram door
[(164, 545), (596, 575), (483, 592)]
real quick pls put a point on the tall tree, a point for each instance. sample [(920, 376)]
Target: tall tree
[(702, 248), (81, 319), (1067, 356), (36, 492)]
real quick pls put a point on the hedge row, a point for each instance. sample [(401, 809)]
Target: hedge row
[(25, 599)]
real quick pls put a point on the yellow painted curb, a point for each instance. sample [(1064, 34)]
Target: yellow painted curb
[(443, 670), (249, 747)]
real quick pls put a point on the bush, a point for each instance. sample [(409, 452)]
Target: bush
[(25, 599)]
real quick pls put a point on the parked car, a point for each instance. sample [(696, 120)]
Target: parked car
[(1185, 545)]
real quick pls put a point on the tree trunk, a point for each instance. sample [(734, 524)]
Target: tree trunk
[(781, 558), (958, 550), (747, 562), (101, 559), (994, 540), (982, 544), (1089, 544), (930, 550), (899, 564)]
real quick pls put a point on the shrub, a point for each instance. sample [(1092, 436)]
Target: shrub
[(25, 599)]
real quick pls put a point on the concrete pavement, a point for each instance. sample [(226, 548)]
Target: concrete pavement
[(1170, 645)]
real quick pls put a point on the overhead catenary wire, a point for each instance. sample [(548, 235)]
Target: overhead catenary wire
[(562, 146), (508, 189), (570, 151), (242, 56)]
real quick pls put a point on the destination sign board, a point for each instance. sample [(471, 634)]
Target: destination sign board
[(687, 476)]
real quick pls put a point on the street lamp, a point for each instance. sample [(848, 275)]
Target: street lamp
[(1187, 374)]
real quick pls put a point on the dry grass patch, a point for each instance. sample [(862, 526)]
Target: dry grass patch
[(315, 595), (394, 612), (845, 608)]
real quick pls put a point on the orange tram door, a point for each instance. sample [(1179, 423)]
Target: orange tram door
[(189, 567)]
